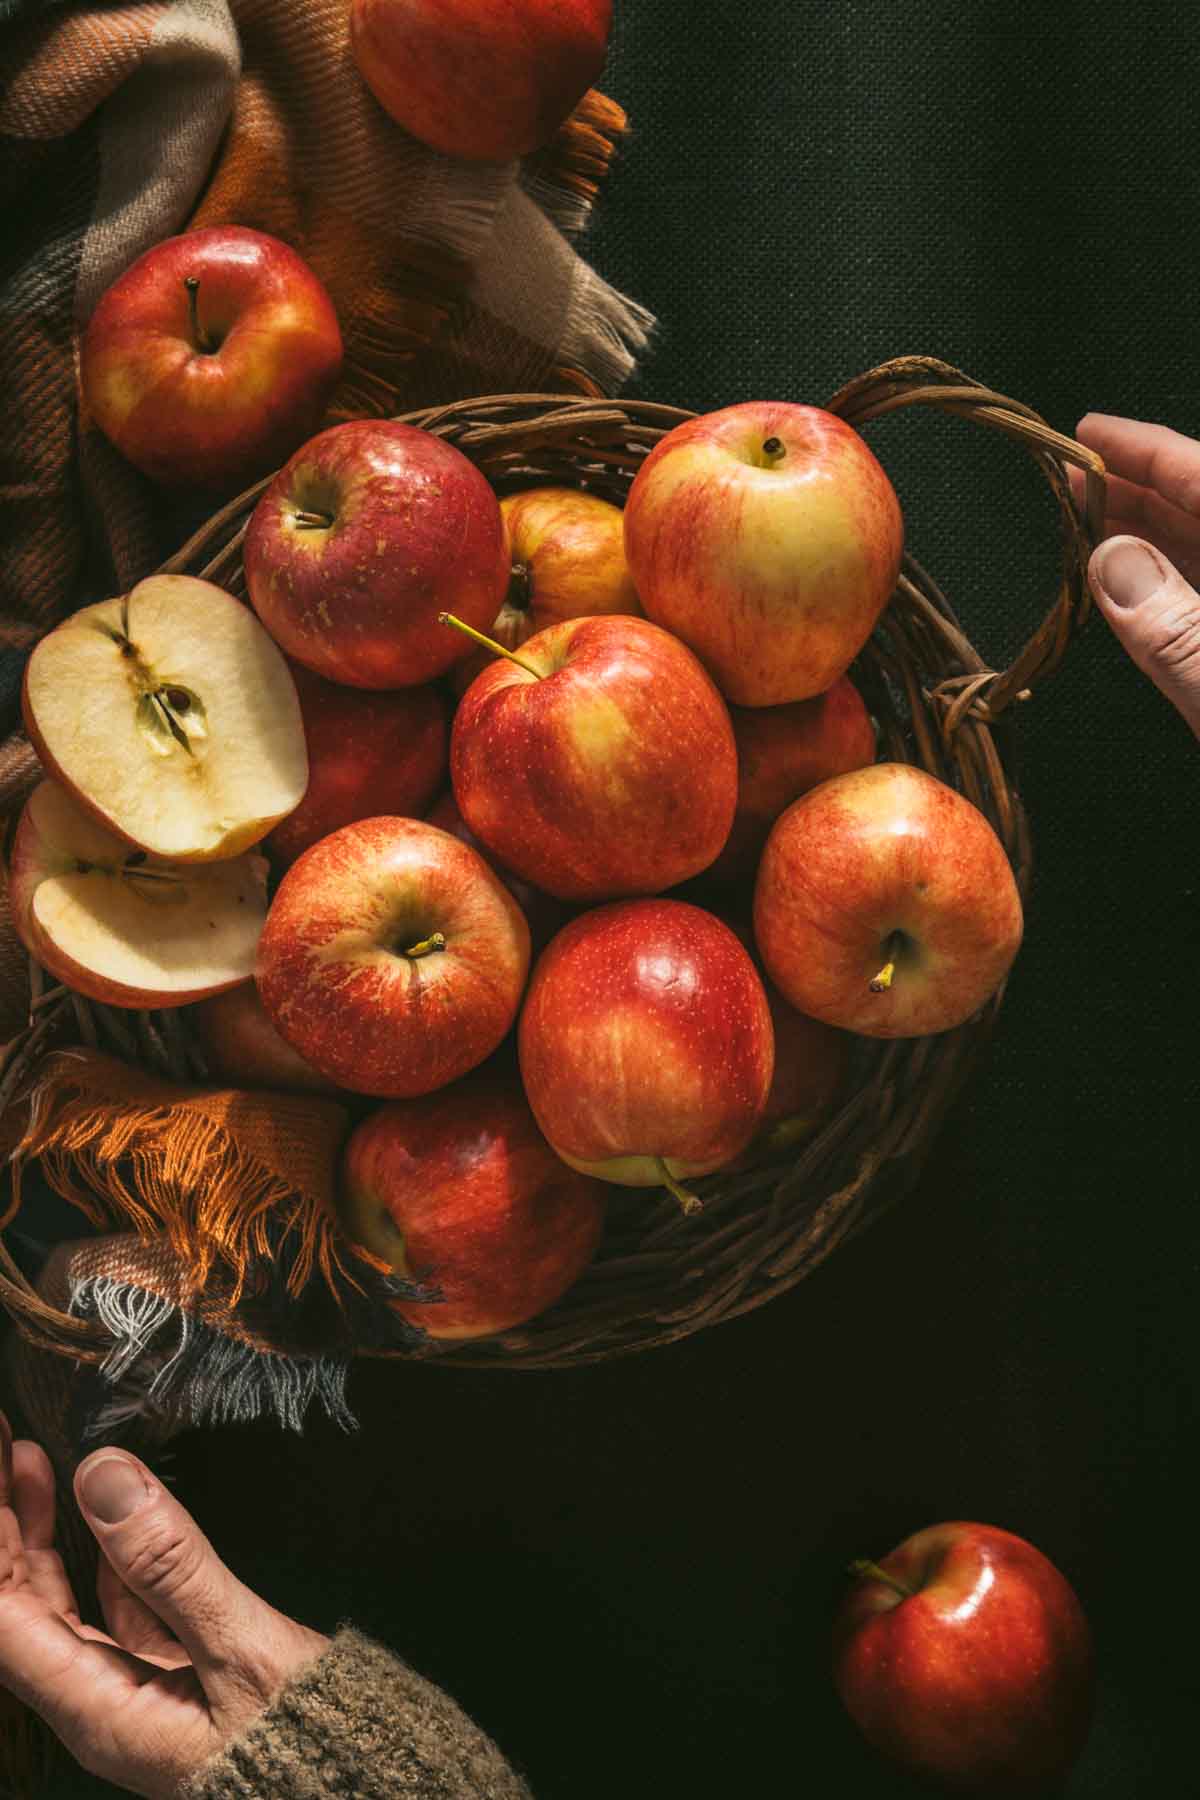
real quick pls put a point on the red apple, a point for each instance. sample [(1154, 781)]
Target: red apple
[(767, 537), (783, 751), (369, 532), (568, 562), (243, 1048), (483, 82), (392, 958), (462, 1192), (601, 764), (368, 754), (645, 1044), (966, 1657), (211, 357), (885, 904), (544, 914)]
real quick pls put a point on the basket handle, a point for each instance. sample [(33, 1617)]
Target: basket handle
[(925, 381)]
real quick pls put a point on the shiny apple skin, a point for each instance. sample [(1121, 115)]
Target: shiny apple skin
[(215, 420), (243, 1048), (416, 531), (646, 1033), (544, 914), (981, 1680), (612, 774), (461, 1191), (369, 754), (774, 575), (486, 83), (333, 979), (783, 751), (883, 850)]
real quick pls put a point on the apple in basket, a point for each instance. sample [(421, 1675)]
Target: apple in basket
[(122, 927), (461, 1192), (484, 82), (171, 716), (568, 562), (598, 761), (646, 1045), (768, 537), (783, 751), (393, 959), (965, 1656), (370, 531), (211, 357), (243, 1048), (885, 903), (368, 754)]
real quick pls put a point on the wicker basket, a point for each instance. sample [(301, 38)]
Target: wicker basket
[(659, 1275)]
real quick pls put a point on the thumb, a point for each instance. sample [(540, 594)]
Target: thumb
[(1156, 616), (157, 1549)]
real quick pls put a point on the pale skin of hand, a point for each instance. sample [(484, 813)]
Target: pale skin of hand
[(190, 1656), (1154, 503)]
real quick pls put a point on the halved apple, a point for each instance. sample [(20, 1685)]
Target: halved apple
[(172, 717), (123, 927)]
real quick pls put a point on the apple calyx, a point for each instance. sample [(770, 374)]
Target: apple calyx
[(689, 1203), (520, 587), (863, 1569), (435, 941), (774, 451), (200, 337), (487, 642)]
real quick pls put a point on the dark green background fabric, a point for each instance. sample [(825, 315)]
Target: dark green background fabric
[(627, 1573)]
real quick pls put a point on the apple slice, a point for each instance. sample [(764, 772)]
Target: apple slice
[(126, 928), (172, 717)]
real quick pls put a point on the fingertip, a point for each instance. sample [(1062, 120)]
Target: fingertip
[(33, 1488)]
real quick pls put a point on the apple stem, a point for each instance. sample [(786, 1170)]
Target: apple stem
[(487, 642), (864, 1570), (879, 984), (690, 1203), (520, 588), (435, 941), (200, 336), (310, 519)]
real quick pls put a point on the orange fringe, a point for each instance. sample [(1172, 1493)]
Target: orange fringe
[(578, 156)]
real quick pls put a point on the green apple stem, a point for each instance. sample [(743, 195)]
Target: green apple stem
[(863, 1570), (435, 941), (200, 337), (520, 588), (879, 984), (690, 1203), (487, 642)]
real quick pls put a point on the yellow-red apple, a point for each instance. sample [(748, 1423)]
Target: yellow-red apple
[(392, 959), (369, 532), (600, 764), (646, 1044), (885, 903), (783, 751), (487, 83), (243, 1048), (211, 357), (768, 537), (369, 754), (965, 1656), (461, 1192)]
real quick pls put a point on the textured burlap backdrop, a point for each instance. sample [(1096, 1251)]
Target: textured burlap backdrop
[(626, 1572)]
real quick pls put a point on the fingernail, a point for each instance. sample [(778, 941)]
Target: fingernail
[(112, 1488), (1128, 572)]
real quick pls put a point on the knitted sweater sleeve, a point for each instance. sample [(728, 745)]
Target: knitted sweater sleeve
[(357, 1722)]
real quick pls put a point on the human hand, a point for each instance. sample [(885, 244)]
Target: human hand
[(190, 1656), (1142, 574)]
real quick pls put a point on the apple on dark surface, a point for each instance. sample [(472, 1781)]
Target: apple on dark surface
[(462, 1193), (886, 904), (211, 357), (783, 751), (768, 537), (393, 959), (965, 1657), (369, 532), (646, 1045), (568, 562), (596, 762), (545, 914), (369, 754), (243, 1048), (487, 83)]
